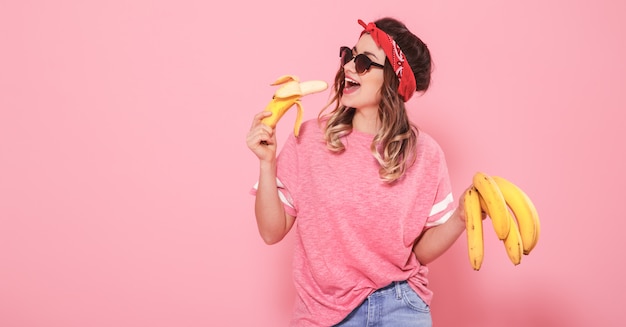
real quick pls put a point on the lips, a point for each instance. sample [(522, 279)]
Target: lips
[(350, 85)]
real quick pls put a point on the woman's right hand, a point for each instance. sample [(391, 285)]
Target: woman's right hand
[(461, 207), (261, 138)]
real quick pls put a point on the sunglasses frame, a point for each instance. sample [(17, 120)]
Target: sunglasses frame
[(368, 62)]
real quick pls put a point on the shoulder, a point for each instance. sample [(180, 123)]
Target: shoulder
[(426, 144), (310, 135), (310, 125), (310, 130), (430, 164)]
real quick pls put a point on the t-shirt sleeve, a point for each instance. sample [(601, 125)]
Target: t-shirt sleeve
[(443, 204), (286, 175)]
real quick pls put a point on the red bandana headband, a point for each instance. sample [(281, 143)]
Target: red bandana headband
[(396, 58)]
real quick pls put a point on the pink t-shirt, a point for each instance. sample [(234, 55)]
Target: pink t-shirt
[(354, 232)]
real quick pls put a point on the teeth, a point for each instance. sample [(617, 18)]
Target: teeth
[(349, 80)]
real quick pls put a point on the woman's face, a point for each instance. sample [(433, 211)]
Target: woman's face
[(362, 91)]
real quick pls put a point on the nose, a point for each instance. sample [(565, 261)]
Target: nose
[(350, 62)]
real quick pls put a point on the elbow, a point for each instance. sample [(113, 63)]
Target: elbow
[(422, 258), (271, 239), (422, 252), (424, 261)]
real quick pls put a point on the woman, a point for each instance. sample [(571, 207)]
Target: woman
[(371, 192)]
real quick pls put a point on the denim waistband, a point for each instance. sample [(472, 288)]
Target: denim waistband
[(394, 286)]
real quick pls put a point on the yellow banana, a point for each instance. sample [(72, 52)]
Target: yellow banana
[(513, 242), (483, 205), (509, 240), (496, 205), (474, 227), (524, 211), (287, 96)]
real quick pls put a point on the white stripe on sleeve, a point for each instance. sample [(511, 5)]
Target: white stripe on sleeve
[(441, 220), (438, 208), (284, 197), (441, 205)]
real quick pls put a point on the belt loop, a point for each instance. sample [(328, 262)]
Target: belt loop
[(398, 290)]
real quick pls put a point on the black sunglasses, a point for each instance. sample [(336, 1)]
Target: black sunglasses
[(362, 63)]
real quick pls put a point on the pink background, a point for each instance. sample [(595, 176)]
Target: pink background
[(124, 174)]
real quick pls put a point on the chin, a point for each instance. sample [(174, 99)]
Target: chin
[(349, 102)]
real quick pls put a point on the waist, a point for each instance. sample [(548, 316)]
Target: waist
[(391, 287)]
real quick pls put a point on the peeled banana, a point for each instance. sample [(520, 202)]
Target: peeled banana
[(287, 96), (508, 207)]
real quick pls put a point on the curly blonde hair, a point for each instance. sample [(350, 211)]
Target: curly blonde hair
[(394, 146)]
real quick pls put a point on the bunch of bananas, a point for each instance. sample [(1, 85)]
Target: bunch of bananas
[(512, 213)]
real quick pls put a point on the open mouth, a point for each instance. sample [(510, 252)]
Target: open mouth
[(350, 84)]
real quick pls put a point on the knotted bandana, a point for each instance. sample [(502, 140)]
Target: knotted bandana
[(396, 58)]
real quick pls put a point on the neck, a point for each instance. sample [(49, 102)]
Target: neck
[(366, 121)]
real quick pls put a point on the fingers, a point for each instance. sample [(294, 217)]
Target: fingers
[(261, 134), (259, 117)]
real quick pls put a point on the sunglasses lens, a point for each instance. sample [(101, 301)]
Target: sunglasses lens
[(362, 63), (346, 55)]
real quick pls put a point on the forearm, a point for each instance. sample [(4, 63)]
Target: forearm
[(270, 213), (437, 240)]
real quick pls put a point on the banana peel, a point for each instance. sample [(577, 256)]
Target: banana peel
[(289, 93)]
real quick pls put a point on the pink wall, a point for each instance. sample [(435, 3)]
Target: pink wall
[(124, 172)]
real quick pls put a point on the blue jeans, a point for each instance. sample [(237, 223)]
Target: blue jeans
[(396, 305)]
